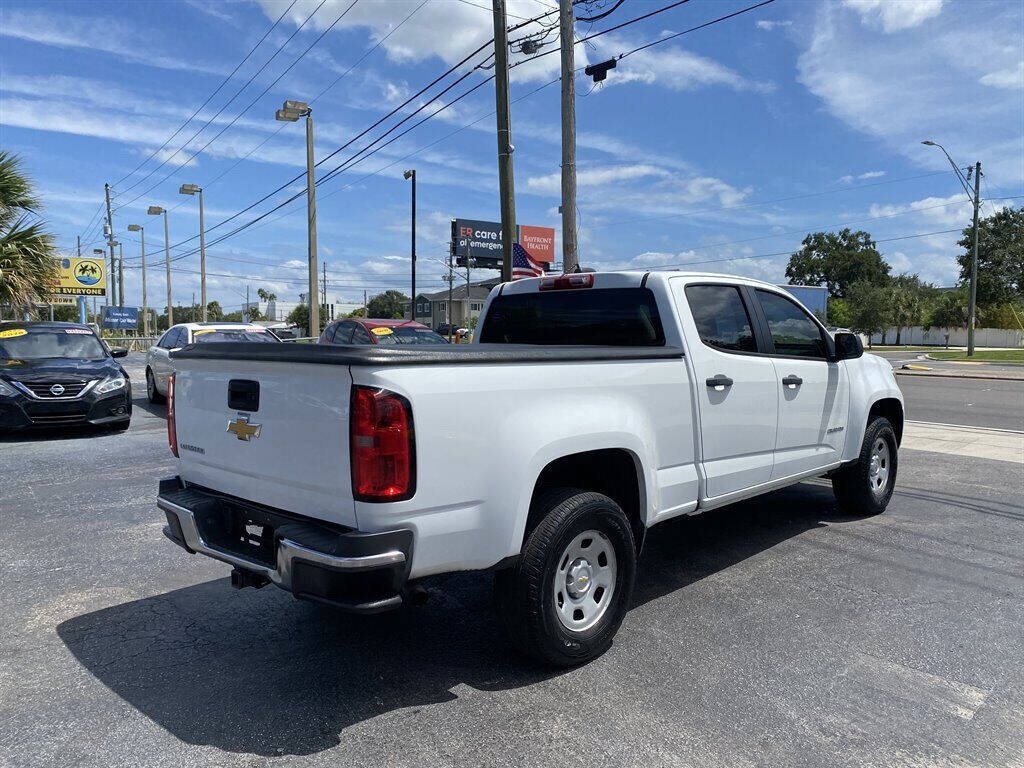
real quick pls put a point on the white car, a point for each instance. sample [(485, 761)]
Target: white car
[(589, 408), (158, 362)]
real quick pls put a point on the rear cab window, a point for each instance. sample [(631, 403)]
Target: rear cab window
[(618, 317)]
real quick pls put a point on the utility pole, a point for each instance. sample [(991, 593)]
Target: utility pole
[(411, 174), (324, 302), (145, 314), (506, 182), (120, 275), (972, 304), (79, 246), (451, 281), (570, 260), (364, 304), (247, 302), (110, 243)]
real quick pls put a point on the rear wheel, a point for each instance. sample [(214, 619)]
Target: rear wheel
[(564, 599), (151, 391), (865, 487)]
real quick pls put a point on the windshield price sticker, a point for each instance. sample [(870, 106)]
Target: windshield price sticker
[(79, 331), (382, 331), (12, 333)]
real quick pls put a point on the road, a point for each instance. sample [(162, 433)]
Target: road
[(774, 632)]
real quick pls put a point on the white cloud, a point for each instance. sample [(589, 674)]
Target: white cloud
[(850, 178), (895, 15), (673, 67), (106, 35), (769, 25), (1011, 78), (169, 157), (925, 87), (550, 184)]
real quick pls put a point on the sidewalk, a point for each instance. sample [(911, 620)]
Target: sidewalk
[(980, 442)]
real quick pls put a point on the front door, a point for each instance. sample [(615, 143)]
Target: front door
[(814, 392), (736, 389)]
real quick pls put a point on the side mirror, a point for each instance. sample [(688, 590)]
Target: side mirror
[(848, 346), (119, 352)]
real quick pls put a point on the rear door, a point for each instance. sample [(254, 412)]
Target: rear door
[(160, 362), (271, 432), (814, 392), (736, 386)]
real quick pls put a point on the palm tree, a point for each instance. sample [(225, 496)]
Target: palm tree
[(28, 266)]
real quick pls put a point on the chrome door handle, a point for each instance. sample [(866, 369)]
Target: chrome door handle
[(792, 381), (719, 381)]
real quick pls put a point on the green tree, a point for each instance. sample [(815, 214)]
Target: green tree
[(387, 305), (360, 312), (300, 317), (266, 295), (28, 266), (214, 313), (950, 310), (1005, 314), (869, 308), (1000, 256), (838, 261), (907, 301), (838, 313)]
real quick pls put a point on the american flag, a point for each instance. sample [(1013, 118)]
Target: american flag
[(523, 264)]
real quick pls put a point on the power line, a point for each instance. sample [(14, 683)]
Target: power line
[(224, 82), (225, 106), (601, 15)]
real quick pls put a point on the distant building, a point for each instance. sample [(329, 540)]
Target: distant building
[(460, 308)]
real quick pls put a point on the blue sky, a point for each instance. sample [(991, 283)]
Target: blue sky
[(715, 149)]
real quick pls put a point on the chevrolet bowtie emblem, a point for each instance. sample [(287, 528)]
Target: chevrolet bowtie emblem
[(243, 429)]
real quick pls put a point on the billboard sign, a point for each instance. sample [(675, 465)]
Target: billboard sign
[(539, 242), (81, 277), (481, 241), (60, 301), (120, 318)]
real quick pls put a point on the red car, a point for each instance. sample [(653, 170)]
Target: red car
[(358, 330)]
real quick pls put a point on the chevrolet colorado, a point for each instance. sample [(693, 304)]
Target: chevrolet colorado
[(590, 408)]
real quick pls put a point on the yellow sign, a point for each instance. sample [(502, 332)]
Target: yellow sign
[(81, 277), (12, 333), (61, 301), (382, 330)]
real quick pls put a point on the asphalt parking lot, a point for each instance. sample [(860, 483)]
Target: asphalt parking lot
[(773, 632)]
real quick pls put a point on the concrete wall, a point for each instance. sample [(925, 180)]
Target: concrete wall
[(983, 337)]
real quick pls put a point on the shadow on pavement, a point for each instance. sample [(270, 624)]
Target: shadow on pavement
[(260, 673)]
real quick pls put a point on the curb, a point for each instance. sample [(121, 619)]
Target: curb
[(944, 375), (983, 362)]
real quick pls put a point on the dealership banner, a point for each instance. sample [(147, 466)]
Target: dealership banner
[(81, 277), (481, 241)]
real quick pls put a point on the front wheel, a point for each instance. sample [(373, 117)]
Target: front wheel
[(865, 487), (564, 599)]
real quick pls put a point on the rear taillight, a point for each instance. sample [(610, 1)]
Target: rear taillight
[(563, 282), (383, 450), (172, 432)]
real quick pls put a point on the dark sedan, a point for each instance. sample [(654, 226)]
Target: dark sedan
[(57, 374)]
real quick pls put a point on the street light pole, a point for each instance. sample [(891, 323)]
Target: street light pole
[(290, 112), (411, 174), (156, 210), (193, 189), (975, 199), (142, 237), (972, 305)]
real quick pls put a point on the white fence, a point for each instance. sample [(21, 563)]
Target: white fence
[(953, 337)]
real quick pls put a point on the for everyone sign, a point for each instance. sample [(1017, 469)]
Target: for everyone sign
[(81, 277)]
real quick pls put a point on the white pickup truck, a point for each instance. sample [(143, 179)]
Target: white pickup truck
[(590, 408)]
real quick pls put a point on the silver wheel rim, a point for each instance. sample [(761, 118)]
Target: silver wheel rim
[(879, 467), (584, 581)]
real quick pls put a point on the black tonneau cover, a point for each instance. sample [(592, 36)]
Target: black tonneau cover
[(422, 354)]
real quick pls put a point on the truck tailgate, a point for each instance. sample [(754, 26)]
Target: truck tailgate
[(285, 441)]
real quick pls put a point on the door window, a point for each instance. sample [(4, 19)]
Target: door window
[(343, 334), (360, 336), (793, 331), (173, 339), (165, 340), (722, 320)]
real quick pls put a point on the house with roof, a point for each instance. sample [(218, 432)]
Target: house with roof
[(460, 308)]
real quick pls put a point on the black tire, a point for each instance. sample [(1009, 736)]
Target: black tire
[(525, 594), (151, 391), (858, 488)]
